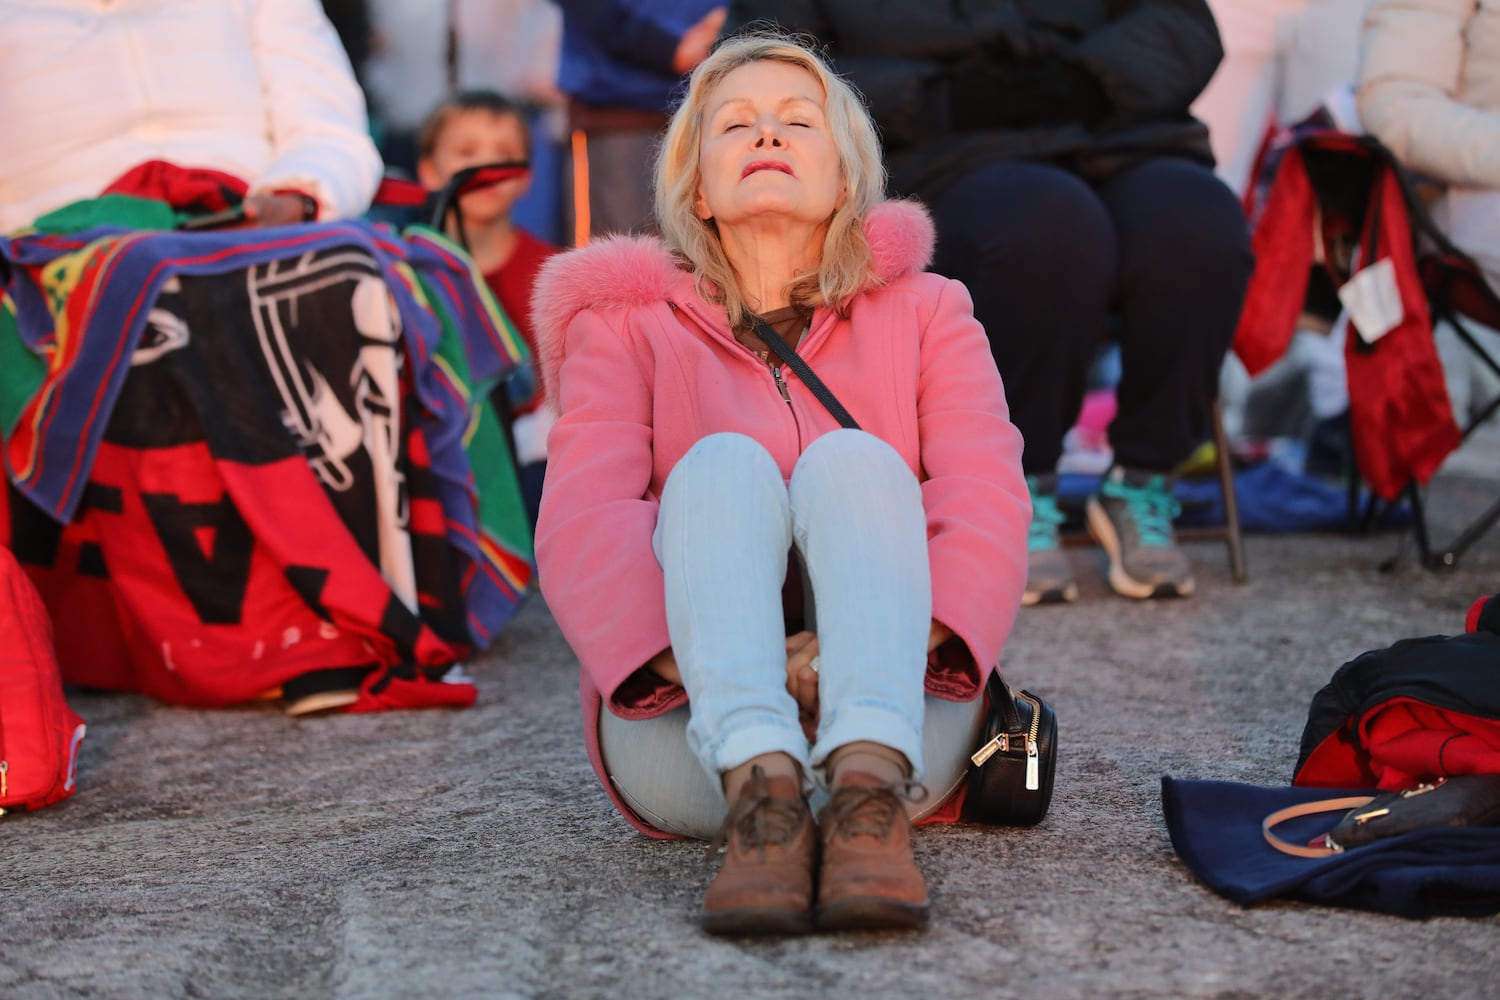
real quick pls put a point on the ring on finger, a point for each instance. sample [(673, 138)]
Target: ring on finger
[(812, 664)]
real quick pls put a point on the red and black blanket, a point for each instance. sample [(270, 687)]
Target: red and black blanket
[(235, 457)]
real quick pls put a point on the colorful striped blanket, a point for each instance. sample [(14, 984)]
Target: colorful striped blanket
[(237, 456)]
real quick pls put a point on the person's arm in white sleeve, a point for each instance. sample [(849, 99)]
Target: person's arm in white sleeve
[(1412, 55), (318, 125)]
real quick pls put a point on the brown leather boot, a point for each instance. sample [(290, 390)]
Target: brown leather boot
[(868, 879), (771, 846)]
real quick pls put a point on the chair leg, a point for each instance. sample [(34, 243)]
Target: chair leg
[(1233, 536), (1419, 525), (1445, 557), (1467, 336), (1480, 526), (582, 221)]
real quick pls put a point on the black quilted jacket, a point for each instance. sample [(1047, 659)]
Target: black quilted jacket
[(1456, 672), (1092, 85)]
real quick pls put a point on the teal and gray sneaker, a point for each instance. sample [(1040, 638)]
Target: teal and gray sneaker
[(1131, 516), (1049, 580)]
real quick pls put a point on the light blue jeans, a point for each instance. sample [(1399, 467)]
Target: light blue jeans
[(853, 510)]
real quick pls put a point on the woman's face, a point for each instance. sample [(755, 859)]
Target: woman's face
[(766, 150)]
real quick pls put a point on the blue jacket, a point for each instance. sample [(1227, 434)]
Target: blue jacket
[(618, 53)]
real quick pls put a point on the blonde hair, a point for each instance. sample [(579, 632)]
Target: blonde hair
[(846, 266)]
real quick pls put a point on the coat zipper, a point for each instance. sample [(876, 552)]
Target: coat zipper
[(786, 398), (781, 385)]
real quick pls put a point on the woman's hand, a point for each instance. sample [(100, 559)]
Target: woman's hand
[(937, 635), (802, 678), (664, 665)]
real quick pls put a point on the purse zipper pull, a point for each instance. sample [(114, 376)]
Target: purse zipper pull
[(1033, 767), (999, 744), (4, 781)]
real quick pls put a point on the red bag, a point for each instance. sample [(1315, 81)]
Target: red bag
[(39, 733)]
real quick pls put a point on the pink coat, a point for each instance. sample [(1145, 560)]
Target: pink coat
[(640, 367)]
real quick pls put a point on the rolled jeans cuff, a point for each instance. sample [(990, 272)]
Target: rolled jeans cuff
[(870, 722), (756, 734)]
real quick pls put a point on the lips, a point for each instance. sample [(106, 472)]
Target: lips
[(759, 165)]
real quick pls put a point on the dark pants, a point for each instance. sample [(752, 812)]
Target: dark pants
[(1157, 258)]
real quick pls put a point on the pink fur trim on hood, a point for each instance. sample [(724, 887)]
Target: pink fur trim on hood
[(620, 272)]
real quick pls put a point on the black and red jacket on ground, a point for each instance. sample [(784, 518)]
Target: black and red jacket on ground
[(1420, 709), (1388, 719)]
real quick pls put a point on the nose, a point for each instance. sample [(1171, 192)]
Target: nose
[(770, 134)]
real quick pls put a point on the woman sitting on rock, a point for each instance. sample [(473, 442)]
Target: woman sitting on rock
[(688, 464)]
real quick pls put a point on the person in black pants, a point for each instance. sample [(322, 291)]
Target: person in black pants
[(1074, 195)]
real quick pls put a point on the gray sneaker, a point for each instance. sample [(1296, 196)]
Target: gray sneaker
[(1131, 516), (1049, 579)]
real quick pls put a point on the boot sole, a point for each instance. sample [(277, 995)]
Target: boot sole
[(323, 701), (1122, 583), (870, 913), (752, 921), (1053, 595)]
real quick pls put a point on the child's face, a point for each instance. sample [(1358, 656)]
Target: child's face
[(469, 139)]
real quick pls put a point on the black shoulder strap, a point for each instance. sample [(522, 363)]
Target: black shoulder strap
[(809, 378)]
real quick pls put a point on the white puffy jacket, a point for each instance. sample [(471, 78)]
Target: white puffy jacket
[(260, 89), (1429, 86)]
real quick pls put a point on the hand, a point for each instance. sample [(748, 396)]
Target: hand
[(802, 679), (274, 209), (937, 635), (698, 40), (664, 665)]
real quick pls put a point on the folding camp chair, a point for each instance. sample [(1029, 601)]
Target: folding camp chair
[(1459, 295), (1339, 203)]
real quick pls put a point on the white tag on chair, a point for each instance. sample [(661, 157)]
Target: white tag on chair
[(1373, 300)]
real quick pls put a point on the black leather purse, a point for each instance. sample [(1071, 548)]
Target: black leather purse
[(1010, 783), (1011, 780)]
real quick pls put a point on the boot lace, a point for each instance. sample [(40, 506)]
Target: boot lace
[(758, 820), (869, 811)]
